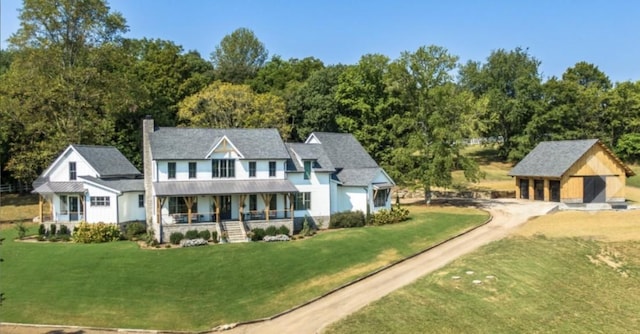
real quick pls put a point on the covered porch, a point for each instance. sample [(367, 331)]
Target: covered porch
[(216, 205), (65, 202)]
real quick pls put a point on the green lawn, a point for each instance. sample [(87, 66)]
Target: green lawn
[(634, 181), (120, 285), (540, 285)]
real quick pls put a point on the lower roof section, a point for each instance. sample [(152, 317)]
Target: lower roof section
[(223, 187), (59, 187)]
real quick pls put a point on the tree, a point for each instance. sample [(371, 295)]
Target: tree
[(436, 122), (225, 105), (510, 82), (65, 81), (239, 56)]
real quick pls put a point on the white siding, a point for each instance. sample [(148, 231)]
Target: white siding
[(105, 214), (60, 171), (128, 208), (203, 169), (352, 199), (318, 186)]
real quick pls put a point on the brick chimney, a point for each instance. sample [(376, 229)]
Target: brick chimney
[(148, 128)]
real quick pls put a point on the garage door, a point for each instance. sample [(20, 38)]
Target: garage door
[(594, 189)]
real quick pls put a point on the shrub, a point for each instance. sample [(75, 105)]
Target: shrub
[(384, 217), (347, 219), (95, 233), (271, 230), (205, 234), (52, 229), (64, 231), (258, 234), (42, 230), (191, 234), (283, 230), (214, 236), (279, 237), (135, 231), (22, 230), (307, 230), (176, 237)]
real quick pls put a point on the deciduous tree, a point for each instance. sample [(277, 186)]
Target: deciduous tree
[(239, 56)]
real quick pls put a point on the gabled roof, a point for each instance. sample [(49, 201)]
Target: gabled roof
[(344, 150), (554, 158), (313, 152), (353, 165), (106, 160), (197, 143)]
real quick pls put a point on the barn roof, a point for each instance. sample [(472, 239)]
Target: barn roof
[(554, 158)]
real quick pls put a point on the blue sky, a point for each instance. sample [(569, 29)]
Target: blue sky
[(558, 33)]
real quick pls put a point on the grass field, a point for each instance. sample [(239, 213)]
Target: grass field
[(567, 272), (120, 285), (18, 208)]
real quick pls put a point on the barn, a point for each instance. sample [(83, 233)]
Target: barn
[(571, 171)]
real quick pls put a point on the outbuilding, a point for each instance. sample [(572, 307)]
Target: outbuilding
[(571, 171)]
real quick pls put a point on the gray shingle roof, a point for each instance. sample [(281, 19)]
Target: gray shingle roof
[(223, 187), (344, 150), (354, 165), (122, 185), (106, 160), (552, 158), (196, 143), (309, 152)]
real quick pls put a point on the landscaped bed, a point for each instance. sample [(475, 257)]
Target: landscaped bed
[(120, 285)]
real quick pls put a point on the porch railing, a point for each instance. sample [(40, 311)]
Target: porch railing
[(261, 215)]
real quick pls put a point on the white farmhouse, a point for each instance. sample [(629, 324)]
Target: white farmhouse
[(92, 184)]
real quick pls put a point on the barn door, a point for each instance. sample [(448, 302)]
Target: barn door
[(594, 189)]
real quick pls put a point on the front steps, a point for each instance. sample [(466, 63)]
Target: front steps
[(235, 232)]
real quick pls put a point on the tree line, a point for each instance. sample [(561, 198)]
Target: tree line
[(70, 77)]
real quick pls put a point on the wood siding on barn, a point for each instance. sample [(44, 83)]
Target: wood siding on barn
[(595, 162)]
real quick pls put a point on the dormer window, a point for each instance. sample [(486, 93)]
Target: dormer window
[(72, 171), (307, 169)]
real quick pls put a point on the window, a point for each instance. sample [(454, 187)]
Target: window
[(64, 205), (381, 198), (172, 170), (141, 201), (252, 169), (100, 201), (223, 168), (307, 169), (302, 201), (193, 170), (253, 202), (72, 171), (177, 205), (272, 168), (273, 204)]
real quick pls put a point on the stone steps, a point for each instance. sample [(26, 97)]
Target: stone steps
[(234, 231)]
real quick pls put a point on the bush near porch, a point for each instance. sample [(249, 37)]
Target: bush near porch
[(120, 285)]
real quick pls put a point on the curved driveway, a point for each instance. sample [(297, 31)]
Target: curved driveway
[(314, 317)]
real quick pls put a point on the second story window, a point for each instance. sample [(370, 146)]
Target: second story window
[(252, 169), (272, 168), (307, 169), (72, 171), (193, 170), (223, 168), (171, 170)]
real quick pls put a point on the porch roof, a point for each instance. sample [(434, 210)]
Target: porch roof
[(59, 187), (223, 187)]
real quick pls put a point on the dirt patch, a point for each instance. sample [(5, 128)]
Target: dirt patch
[(598, 225)]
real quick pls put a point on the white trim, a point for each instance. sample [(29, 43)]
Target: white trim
[(97, 185), (221, 140), (312, 139), (62, 157)]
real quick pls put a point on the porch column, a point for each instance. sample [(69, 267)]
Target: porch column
[(291, 199), (267, 201), (40, 208), (532, 190), (83, 204), (217, 201), (547, 194), (243, 197), (188, 201)]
